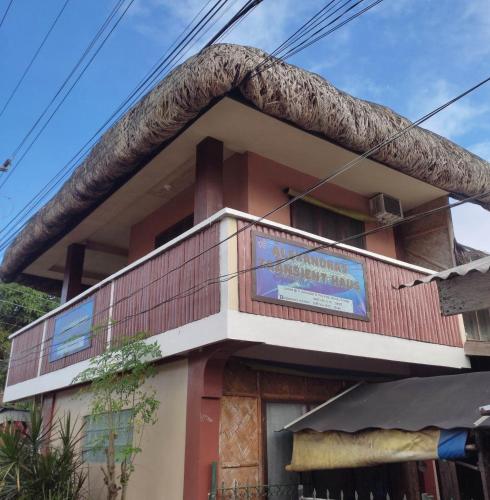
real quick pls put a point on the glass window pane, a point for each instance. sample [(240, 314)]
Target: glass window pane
[(97, 435)]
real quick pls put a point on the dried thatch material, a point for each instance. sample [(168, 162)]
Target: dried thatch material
[(465, 254), (286, 92)]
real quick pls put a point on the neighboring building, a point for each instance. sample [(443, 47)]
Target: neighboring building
[(133, 237), (465, 289)]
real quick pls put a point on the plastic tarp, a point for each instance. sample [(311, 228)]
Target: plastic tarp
[(337, 450)]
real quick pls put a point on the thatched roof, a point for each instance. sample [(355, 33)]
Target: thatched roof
[(284, 91)]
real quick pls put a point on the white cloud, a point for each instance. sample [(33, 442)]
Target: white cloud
[(266, 26), (454, 121)]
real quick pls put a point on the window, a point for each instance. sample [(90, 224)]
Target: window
[(97, 435), (477, 325), (319, 220), (174, 231)]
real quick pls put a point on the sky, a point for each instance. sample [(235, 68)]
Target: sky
[(409, 55)]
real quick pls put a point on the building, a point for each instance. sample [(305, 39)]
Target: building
[(160, 229)]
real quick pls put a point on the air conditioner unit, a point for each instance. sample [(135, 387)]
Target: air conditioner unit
[(385, 209)]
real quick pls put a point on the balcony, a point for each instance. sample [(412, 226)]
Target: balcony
[(176, 294)]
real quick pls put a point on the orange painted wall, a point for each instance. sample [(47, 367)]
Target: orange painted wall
[(255, 185), (143, 234), (268, 180)]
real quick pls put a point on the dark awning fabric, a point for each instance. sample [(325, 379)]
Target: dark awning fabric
[(444, 402)]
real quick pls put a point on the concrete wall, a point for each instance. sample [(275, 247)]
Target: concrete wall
[(159, 468)]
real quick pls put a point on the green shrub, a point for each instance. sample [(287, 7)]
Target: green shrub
[(41, 462)]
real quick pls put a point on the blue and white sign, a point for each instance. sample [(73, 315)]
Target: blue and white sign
[(72, 331), (289, 274)]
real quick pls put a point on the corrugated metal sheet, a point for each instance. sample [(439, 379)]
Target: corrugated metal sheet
[(481, 266), (413, 315), (412, 404), (24, 355)]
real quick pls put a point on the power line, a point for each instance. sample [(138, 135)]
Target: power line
[(229, 276), (6, 12), (23, 306), (218, 5), (87, 50), (124, 106), (34, 57), (134, 95)]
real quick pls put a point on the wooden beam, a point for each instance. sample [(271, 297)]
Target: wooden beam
[(90, 275), (208, 196), (464, 293), (72, 279), (483, 446), (94, 246), (477, 348), (448, 480)]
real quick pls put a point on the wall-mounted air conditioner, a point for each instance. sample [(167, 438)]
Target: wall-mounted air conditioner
[(385, 209)]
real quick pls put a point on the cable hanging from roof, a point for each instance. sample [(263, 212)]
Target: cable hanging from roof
[(332, 7)]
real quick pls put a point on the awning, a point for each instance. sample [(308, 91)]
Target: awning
[(340, 450), (413, 404), (481, 265), (410, 419)]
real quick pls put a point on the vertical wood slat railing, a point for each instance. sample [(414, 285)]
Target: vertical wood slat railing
[(132, 301), (410, 313)]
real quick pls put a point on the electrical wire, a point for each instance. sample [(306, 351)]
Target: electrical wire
[(87, 50), (64, 171), (6, 12), (13, 221), (34, 57)]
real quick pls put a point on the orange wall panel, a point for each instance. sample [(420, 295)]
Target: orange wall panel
[(143, 234)]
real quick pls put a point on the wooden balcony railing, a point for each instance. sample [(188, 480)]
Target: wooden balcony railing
[(160, 293), (154, 295)]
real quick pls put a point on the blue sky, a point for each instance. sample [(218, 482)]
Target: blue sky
[(410, 55)]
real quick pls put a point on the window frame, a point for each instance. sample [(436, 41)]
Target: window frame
[(93, 452)]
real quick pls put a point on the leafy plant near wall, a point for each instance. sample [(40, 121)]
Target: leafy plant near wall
[(41, 462), (117, 382), (19, 306)]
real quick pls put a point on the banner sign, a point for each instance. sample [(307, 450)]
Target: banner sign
[(316, 280), (72, 331)]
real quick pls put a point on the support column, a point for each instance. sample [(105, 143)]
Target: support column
[(208, 196), (204, 392), (448, 481), (72, 280), (483, 445)]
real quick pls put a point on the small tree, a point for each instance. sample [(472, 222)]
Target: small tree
[(117, 379)]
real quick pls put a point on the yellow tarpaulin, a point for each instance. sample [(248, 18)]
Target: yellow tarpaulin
[(336, 450)]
